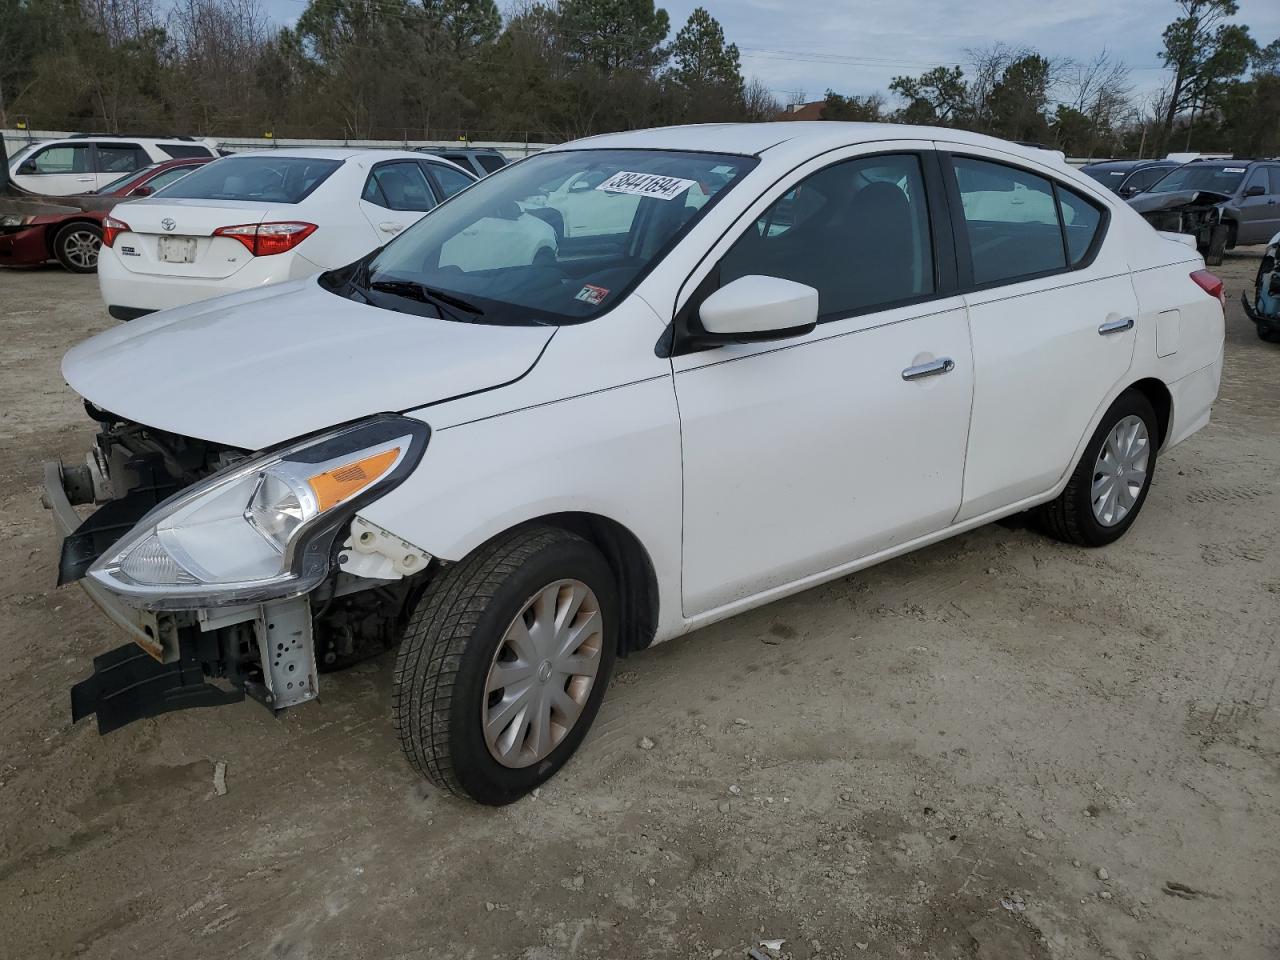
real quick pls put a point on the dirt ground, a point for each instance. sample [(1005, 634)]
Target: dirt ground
[(996, 747)]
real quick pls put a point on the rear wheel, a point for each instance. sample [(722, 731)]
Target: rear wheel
[(505, 662), (76, 246), (1110, 483)]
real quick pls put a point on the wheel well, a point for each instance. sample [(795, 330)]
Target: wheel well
[(55, 228), (1161, 401), (637, 581)]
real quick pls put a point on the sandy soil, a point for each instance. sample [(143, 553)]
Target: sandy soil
[(939, 757)]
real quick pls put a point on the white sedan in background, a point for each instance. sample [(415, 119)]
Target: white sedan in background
[(254, 219), (809, 348)]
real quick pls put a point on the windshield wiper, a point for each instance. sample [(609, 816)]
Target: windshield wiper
[(439, 299)]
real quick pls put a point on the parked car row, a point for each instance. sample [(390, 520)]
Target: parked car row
[(1223, 203), (626, 388), (71, 232)]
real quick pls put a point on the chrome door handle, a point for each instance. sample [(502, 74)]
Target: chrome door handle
[(84, 179), (388, 227), (1116, 326), (933, 368)]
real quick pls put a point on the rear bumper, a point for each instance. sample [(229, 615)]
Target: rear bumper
[(1193, 397), (136, 294)]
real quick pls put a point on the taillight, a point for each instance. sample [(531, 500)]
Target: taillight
[(112, 228), (264, 239), (1211, 285)]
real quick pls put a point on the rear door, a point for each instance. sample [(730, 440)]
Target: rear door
[(111, 161), (1052, 313), (396, 194)]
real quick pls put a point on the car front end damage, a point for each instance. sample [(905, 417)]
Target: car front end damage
[(1198, 213), (233, 573), (1263, 308)]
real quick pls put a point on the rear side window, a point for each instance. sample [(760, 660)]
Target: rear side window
[(184, 150), (858, 232), (1011, 220), (121, 158), (1080, 223), (1274, 174), (399, 186), (266, 178), (451, 181), (491, 161), (166, 177)]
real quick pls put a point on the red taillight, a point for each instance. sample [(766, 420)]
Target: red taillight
[(112, 228), (1211, 285), (264, 239)]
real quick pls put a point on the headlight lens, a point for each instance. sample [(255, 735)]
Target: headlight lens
[(263, 528)]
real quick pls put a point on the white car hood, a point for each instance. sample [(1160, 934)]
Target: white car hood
[(267, 365)]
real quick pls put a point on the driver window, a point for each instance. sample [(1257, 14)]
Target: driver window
[(858, 232)]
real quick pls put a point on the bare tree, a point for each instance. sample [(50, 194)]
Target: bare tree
[(758, 101)]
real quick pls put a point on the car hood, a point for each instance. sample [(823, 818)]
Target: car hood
[(267, 365), (1151, 202)]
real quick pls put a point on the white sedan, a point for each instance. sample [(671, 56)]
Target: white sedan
[(805, 351), (255, 219)]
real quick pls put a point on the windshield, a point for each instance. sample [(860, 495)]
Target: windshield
[(271, 179), (1201, 176), (557, 238), (127, 180)]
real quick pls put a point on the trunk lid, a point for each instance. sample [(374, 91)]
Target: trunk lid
[(270, 364), (162, 230)]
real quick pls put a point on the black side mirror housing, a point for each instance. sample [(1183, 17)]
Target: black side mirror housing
[(1256, 190)]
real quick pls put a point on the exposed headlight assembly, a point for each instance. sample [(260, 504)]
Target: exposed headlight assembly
[(261, 529)]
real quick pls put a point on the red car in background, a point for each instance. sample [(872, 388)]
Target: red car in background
[(69, 229)]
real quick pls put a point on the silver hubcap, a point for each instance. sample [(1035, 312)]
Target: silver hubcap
[(81, 248), (542, 673), (1121, 471)]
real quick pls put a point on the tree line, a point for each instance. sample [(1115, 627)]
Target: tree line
[(550, 71)]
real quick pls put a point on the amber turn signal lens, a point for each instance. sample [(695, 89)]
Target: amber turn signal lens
[(341, 483)]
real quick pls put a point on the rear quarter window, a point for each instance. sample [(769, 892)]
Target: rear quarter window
[(184, 150)]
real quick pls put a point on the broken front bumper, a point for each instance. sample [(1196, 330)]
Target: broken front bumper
[(263, 650)]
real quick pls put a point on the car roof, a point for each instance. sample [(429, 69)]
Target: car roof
[(343, 154), (1130, 164), (753, 139)]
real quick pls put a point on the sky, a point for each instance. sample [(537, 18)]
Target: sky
[(858, 47)]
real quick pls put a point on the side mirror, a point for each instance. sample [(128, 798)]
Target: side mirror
[(755, 308), (142, 191), (28, 167), (1256, 190)]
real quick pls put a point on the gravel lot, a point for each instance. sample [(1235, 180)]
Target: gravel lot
[(996, 747)]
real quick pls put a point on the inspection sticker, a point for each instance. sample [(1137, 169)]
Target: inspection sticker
[(646, 185), (592, 294)]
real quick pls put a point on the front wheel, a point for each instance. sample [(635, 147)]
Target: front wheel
[(1110, 483), (505, 662)]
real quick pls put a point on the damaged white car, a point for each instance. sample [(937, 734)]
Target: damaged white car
[(789, 351)]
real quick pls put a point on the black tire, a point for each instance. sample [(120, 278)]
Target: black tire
[(69, 246), (450, 644), (1219, 238), (1070, 517)]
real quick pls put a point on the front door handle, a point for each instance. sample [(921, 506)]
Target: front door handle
[(84, 179), (1116, 326), (387, 226), (933, 368)]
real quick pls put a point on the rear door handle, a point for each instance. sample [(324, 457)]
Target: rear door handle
[(1116, 326), (84, 179), (933, 368)]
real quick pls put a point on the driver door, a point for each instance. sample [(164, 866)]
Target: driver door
[(802, 456)]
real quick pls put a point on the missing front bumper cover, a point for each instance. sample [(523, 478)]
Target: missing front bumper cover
[(128, 684)]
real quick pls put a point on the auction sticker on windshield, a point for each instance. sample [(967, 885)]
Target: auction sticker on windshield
[(592, 294), (646, 185)]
